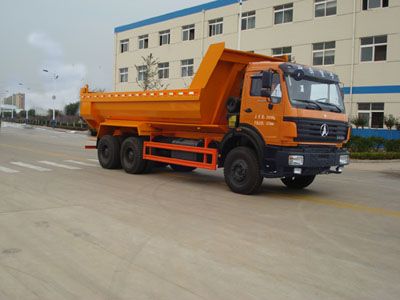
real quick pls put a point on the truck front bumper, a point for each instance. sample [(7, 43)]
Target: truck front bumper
[(288, 161)]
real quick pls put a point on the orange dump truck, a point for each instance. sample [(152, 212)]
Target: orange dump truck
[(255, 116)]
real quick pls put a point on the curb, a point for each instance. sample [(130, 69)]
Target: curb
[(374, 161)]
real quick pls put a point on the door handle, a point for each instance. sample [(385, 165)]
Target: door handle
[(248, 110)]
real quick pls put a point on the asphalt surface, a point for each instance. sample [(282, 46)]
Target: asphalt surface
[(71, 230)]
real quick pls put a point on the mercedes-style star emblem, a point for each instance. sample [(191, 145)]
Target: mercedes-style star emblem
[(324, 130)]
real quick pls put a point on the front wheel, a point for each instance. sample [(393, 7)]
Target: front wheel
[(298, 182), (242, 171)]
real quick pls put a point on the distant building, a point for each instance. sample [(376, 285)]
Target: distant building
[(357, 39), (18, 100)]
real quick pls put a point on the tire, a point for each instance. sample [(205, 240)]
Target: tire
[(108, 150), (132, 156), (242, 171), (182, 169), (298, 182)]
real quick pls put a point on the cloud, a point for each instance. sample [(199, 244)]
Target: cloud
[(44, 43), (63, 79)]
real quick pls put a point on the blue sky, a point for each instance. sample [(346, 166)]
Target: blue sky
[(71, 38)]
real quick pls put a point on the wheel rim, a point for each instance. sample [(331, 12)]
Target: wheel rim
[(105, 151), (129, 156), (239, 170)]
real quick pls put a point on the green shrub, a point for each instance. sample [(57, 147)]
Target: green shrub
[(392, 145), (375, 155), (390, 121), (359, 122), (360, 144), (377, 143)]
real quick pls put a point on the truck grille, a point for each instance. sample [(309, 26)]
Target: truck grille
[(317, 130)]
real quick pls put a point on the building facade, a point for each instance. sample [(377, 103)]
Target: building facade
[(18, 100), (357, 39)]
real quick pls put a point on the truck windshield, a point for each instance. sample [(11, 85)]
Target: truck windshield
[(310, 94)]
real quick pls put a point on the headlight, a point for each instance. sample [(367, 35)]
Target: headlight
[(296, 160), (344, 160)]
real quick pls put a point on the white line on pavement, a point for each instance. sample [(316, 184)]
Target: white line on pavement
[(7, 170), (93, 159), (50, 163), (80, 163), (29, 166)]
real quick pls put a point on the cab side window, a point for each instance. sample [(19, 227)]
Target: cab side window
[(276, 91)]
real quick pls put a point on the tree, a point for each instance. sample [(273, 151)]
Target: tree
[(50, 113), (359, 122), (31, 112), (22, 114), (98, 90), (148, 78), (71, 109), (389, 121)]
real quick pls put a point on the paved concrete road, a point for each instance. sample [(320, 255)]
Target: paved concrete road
[(71, 230)]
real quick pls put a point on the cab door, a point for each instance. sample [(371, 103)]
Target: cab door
[(265, 114)]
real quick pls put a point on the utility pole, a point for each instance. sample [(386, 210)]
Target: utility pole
[(239, 41), (55, 77)]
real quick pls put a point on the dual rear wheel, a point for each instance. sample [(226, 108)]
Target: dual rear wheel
[(128, 155)]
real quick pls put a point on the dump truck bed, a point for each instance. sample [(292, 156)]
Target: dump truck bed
[(203, 104)]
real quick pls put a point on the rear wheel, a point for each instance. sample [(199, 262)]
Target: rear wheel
[(242, 171), (132, 156), (183, 169), (298, 182), (108, 150)]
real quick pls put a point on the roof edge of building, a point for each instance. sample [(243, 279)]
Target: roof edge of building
[(176, 14)]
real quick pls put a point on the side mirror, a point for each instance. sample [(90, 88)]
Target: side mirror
[(266, 83), (267, 77)]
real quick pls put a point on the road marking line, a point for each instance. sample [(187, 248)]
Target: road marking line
[(92, 159), (80, 163), (29, 166), (50, 163), (7, 170), (64, 156)]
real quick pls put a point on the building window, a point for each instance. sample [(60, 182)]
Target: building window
[(187, 67), (282, 51), (165, 37), (324, 53), (248, 20), (215, 26), (124, 45), (283, 13), (370, 4), (374, 48), (163, 70), (188, 32), (325, 8), (123, 75), (144, 41), (142, 73), (373, 113)]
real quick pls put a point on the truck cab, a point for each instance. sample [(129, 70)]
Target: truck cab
[(298, 112)]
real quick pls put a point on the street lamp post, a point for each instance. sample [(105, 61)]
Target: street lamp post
[(25, 104), (54, 109), (55, 77)]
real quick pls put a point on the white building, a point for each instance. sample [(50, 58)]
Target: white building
[(357, 39)]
